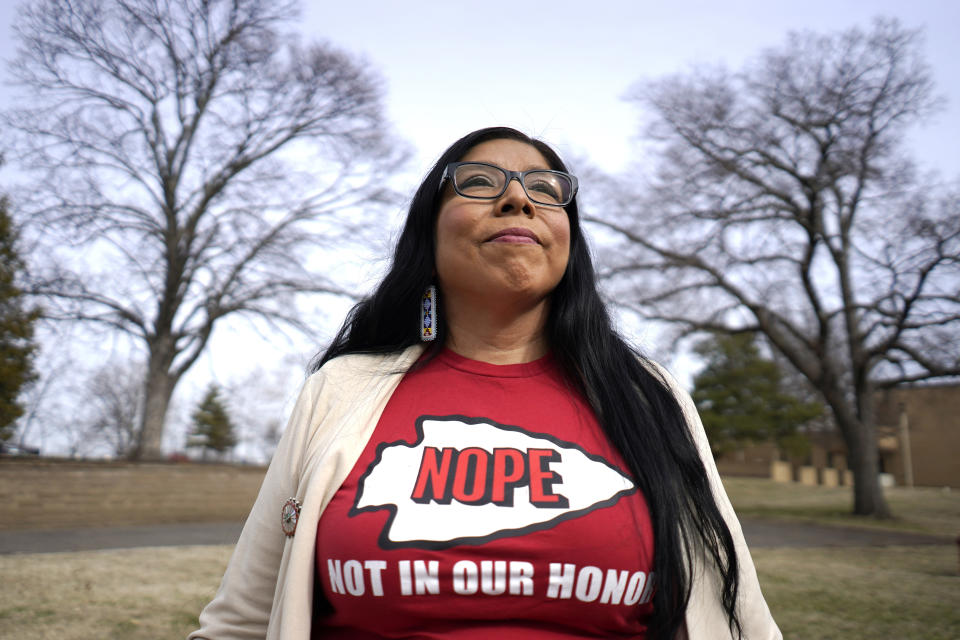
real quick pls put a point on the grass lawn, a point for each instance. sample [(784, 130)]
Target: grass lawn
[(924, 510), (833, 593), (815, 594), (862, 593), (127, 594)]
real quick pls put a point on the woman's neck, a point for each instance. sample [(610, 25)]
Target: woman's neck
[(496, 335)]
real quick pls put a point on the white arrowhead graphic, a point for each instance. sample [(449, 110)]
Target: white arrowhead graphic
[(587, 482)]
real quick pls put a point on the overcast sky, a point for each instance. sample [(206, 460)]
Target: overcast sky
[(559, 71)]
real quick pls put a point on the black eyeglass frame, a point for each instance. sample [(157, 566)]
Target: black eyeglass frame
[(450, 170)]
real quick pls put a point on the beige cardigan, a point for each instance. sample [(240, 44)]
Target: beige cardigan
[(267, 590)]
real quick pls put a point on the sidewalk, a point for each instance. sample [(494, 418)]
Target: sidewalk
[(759, 534), (160, 535), (778, 533)]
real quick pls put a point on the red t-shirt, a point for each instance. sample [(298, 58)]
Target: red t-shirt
[(488, 501)]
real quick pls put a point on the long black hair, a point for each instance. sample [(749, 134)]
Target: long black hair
[(634, 405)]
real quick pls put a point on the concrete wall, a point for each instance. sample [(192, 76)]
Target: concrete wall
[(38, 494), (933, 422)]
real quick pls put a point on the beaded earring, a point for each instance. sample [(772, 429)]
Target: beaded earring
[(428, 314)]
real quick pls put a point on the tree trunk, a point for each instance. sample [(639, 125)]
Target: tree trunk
[(159, 385), (861, 439)]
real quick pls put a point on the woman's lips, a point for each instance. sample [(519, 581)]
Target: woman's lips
[(517, 235)]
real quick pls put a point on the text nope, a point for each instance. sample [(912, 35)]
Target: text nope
[(475, 476)]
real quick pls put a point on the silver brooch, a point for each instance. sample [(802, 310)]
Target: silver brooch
[(289, 516)]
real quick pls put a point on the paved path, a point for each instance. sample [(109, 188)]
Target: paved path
[(161, 535), (771, 533), (759, 534)]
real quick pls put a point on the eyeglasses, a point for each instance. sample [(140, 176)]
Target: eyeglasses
[(488, 181)]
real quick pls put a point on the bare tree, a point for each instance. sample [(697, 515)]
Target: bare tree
[(256, 401), (784, 204), (192, 160), (114, 401), (56, 367)]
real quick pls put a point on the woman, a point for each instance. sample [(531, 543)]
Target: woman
[(513, 468)]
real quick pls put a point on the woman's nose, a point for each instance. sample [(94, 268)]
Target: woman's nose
[(514, 200)]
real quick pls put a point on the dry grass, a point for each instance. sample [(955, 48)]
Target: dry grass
[(124, 594), (814, 593), (909, 593), (863, 593), (924, 510), (50, 494)]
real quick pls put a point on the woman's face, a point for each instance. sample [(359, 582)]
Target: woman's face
[(507, 247)]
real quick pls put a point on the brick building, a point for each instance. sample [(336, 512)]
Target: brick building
[(918, 437)]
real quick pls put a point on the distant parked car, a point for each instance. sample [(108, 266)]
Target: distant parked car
[(9, 449)]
